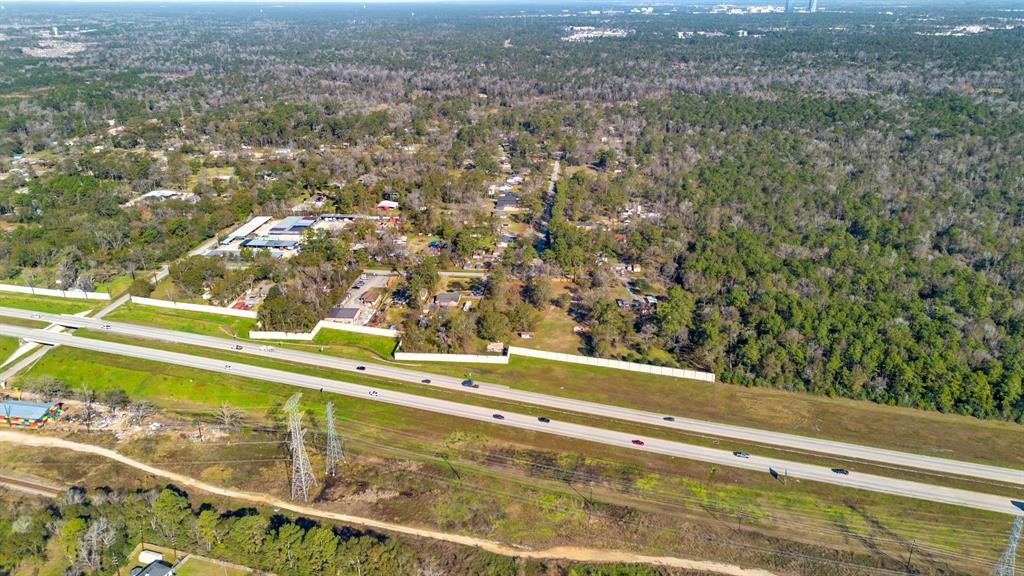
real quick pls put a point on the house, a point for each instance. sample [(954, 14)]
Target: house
[(386, 205), (526, 335), (505, 240), (507, 202), (154, 568), (343, 315), (371, 296), (447, 299), (496, 347)]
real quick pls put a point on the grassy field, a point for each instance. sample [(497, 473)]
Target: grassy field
[(487, 456), (184, 320), (7, 346), (50, 304), (115, 285), (906, 429), (554, 330)]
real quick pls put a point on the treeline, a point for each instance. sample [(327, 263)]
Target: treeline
[(92, 533)]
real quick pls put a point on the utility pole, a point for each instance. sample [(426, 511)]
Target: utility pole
[(334, 452), (910, 557)]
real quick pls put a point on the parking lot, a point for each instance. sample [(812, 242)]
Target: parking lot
[(361, 296)]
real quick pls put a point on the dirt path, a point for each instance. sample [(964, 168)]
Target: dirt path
[(560, 552)]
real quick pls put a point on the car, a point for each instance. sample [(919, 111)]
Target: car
[(360, 367), (106, 326), (544, 419), (638, 442), (36, 316), (470, 384), (668, 418), (497, 416), (740, 454), (842, 471), (425, 381), (238, 346), (374, 393), (227, 366)]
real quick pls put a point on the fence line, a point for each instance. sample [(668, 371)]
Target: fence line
[(193, 307), (69, 293)]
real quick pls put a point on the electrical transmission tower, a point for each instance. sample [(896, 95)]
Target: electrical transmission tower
[(292, 404), (1006, 565), (334, 452), (303, 479)]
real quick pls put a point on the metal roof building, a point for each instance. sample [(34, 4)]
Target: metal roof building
[(246, 229)]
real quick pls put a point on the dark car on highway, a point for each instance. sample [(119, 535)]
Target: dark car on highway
[(497, 416), (739, 454), (544, 419), (638, 442), (668, 418), (360, 367), (425, 381), (842, 471), (470, 384)]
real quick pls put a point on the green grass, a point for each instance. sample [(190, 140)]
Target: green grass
[(49, 304), (931, 433), (7, 346), (115, 285), (184, 320), (186, 391)]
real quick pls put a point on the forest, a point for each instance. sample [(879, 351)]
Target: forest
[(96, 531), (837, 199)]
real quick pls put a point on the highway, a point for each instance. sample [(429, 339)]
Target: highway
[(793, 470), (690, 425)]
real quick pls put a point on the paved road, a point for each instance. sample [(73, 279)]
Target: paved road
[(745, 434), (795, 470)]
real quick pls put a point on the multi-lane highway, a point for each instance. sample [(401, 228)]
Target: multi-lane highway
[(764, 437), (794, 470)]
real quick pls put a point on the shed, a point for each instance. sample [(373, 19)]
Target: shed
[(343, 315)]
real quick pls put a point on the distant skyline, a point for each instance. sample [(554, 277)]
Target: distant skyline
[(822, 4)]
